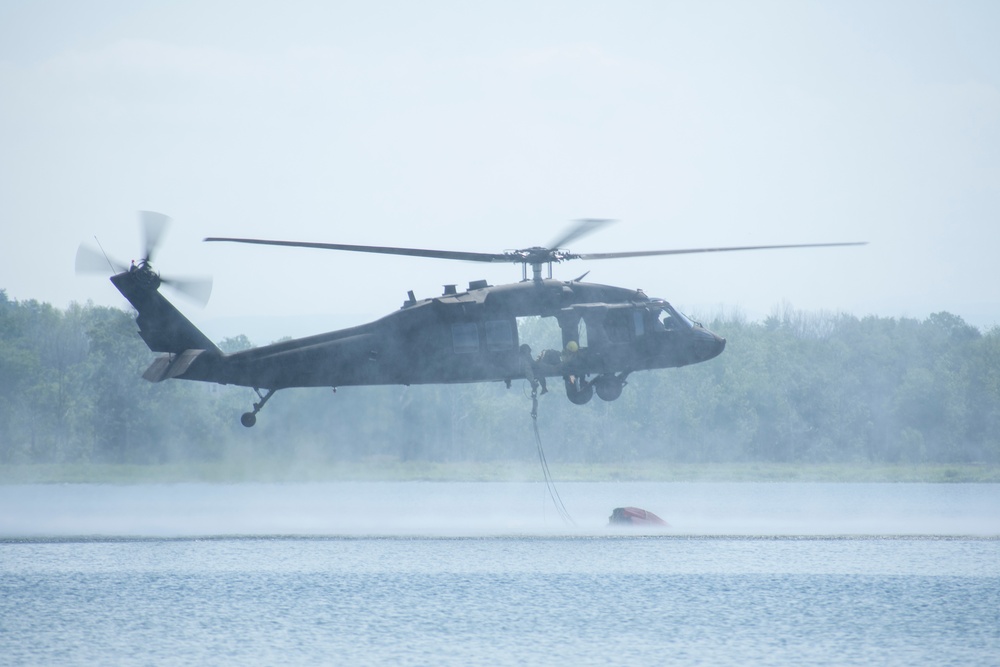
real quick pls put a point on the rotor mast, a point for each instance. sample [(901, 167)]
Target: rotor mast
[(536, 271), (535, 257)]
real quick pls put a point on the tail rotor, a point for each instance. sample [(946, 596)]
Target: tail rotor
[(152, 226)]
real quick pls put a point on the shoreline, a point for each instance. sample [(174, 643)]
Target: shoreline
[(385, 470)]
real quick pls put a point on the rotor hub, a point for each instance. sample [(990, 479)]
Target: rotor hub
[(144, 275)]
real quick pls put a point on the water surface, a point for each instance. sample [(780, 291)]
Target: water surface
[(486, 574)]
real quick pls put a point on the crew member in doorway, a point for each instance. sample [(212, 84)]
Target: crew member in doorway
[(529, 369)]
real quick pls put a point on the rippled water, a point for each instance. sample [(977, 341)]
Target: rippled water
[(526, 591)]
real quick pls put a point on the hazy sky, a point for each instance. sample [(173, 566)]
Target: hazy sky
[(485, 127)]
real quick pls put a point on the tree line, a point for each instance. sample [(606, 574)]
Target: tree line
[(794, 387)]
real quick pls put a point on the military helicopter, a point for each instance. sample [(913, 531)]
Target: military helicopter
[(468, 335)]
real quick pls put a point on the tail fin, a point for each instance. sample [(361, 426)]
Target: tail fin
[(161, 325)]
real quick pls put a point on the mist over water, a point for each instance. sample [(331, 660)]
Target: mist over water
[(448, 509)]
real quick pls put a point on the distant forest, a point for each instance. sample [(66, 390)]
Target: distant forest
[(795, 387)]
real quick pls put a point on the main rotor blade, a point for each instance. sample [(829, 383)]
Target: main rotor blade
[(89, 260), (411, 252), (153, 225), (197, 289), (580, 229), (689, 251)]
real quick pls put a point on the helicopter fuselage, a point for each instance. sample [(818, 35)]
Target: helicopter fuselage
[(469, 336)]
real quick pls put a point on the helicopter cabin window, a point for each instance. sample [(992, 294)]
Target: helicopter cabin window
[(617, 324), (465, 337), (499, 336), (639, 322)]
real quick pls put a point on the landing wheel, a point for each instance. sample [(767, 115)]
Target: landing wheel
[(248, 419), (578, 390), (608, 387)]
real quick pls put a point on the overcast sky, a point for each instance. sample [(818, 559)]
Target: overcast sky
[(489, 126)]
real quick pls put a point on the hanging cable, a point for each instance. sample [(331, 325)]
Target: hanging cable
[(549, 483)]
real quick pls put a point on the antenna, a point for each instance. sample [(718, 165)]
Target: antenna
[(106, 258)]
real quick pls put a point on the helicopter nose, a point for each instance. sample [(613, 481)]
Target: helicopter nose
[(709, 345)]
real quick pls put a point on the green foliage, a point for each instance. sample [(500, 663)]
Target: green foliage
[(72, 392), (823, 389)]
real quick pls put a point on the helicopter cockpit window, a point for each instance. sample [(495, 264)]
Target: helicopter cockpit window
[(465, 337), (499, 336), (671, 319), (655, 323), (684, 318)]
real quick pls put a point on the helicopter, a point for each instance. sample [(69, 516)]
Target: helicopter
[(462, 336)]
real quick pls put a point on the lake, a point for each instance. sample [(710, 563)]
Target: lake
[(487, 573)]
